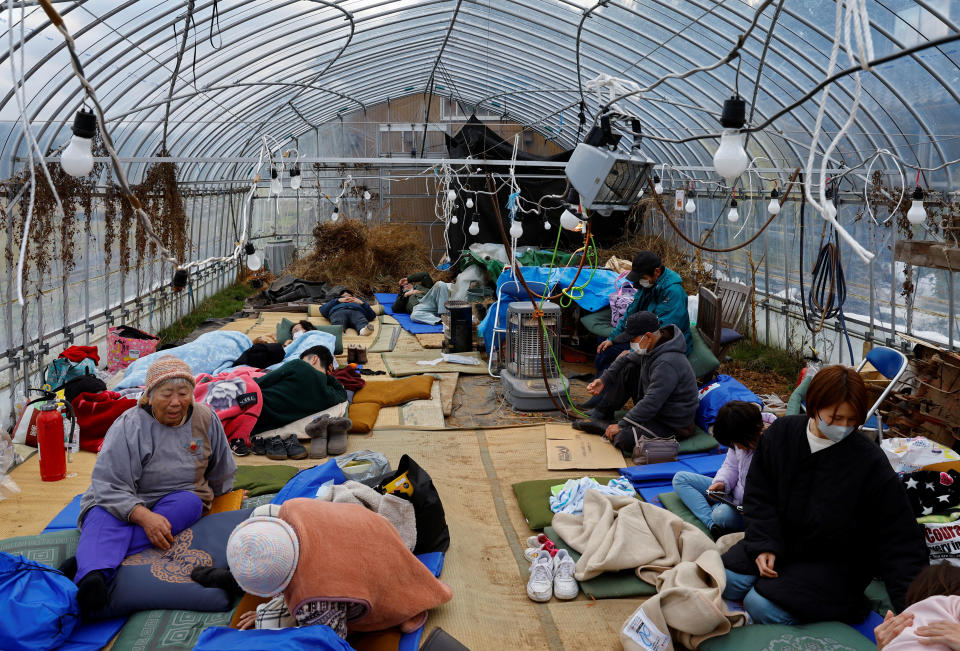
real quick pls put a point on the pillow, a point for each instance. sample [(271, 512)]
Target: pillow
[(363, 415), (283, 330), (261, 480), (286, 325), (824, 636), (699, 442), (231, 501), (396, 392), (701, 358), (598, 323), (534, 500), (673, 503), (153, 579)]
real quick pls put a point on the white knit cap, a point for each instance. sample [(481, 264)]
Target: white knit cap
[(262, 553)]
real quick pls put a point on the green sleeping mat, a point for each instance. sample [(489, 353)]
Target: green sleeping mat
[(609, 585)]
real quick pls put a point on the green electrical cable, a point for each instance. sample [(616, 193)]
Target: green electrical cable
[(556, 362)]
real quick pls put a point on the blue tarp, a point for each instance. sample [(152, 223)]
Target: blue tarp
[(387, 301)]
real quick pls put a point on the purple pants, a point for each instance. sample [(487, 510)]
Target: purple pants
[(105, 541)]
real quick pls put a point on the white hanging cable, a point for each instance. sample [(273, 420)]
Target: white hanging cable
[(850, 15), (32, 144)]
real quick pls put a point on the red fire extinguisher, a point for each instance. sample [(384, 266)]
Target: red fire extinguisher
[(51, 447)]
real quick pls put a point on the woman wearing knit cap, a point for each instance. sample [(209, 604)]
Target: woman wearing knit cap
[(161, 465)]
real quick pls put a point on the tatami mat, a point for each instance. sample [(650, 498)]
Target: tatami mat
[(473, 471), (386, 331)]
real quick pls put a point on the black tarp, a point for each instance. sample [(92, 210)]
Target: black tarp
[(477, 141)]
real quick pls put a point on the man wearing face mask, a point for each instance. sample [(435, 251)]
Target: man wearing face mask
[(659, 290), (659, 378)]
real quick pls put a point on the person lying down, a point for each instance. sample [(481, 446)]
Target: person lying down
[(337, 564)]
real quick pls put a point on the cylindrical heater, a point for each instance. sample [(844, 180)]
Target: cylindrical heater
[(528, 346), (457, 327)]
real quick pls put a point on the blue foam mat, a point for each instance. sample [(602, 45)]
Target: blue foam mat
[(387, 300), (434, 562), (707, 464), (67, 518), (651, 492)]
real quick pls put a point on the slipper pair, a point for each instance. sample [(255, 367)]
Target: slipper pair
[(328, 436)]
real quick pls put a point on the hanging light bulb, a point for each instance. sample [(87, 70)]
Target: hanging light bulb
[(254, 261), (469, 202), (731, 158), (570, 221), (640, 194), (454, 220), (451, 195), (830, 208), (690, 207), (276, 186), (295, 178), (77, 158), (474, 228), (657, 185), (366, 196), (733, 215), (546, 225), (917, 214), (774, 206), (335, 215), (516, 229), (369, 215)]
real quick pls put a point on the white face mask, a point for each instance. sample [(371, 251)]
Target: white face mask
[(638, 348), (835, 433), (646, 284), (297, 334)]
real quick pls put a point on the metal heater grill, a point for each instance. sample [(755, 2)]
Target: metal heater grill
[(525, 353)]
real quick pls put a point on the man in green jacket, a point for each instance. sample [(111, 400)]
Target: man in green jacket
[(412, 290), (659, 290), (298, 388)]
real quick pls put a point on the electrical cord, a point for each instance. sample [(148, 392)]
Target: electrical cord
[(828, 288), (685, 238)]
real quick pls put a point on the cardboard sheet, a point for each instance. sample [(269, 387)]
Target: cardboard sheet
[(569, 449)]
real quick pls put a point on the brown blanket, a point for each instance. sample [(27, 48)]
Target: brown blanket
[(349, 553)]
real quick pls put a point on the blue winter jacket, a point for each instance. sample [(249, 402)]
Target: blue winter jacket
[(667, 300)]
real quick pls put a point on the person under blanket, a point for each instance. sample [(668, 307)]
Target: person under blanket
[(161, 465), (297, 389), (412, 290), (825, 514), (348, 311), (738, 426), (932, 617), (298, 329), (656, 374), (337, 564), (659, 290)]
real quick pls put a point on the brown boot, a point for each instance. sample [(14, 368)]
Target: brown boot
[(351, 354), (361, 354)]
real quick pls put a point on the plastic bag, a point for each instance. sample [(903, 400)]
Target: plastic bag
[(913, 454), (40, 605), (9, 459), (364, 466)]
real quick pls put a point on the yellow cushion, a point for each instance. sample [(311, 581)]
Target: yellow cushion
[(227, 502), (363, 415), (396, 392), (247, 603)]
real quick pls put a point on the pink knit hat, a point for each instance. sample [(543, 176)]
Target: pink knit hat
[(166, 368)]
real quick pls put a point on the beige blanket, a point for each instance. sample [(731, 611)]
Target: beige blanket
[(616, 533)]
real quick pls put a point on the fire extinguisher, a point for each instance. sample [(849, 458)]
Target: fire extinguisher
[(51, 447)]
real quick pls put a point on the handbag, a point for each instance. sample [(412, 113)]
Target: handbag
[(652, 448), (417, 487), (621, 299), (125, 345)]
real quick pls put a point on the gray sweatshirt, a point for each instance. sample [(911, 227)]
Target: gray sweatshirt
[(142, 461)]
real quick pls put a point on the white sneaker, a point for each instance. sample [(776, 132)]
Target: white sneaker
[(540, 584), (532, 553), (366, 331), (564, 585)]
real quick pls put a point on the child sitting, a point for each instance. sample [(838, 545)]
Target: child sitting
[(738, 426), (932, 617)]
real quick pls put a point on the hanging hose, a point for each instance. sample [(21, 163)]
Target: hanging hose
[(828, 288)]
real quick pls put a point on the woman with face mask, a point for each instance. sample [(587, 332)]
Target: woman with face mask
[(825, 514)]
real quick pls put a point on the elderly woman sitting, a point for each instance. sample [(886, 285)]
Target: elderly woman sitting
[(160, 467)]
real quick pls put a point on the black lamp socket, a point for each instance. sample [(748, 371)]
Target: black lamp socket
[(85, 124), (734, 114)]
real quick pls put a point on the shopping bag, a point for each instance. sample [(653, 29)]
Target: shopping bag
[(621, 299), (125, 345)]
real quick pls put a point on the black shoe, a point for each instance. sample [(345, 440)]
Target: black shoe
[(92, 592), (259, 445), (718, 532), (216, 577), (294, 450), (590, 426), (69, 567), (276, 450), (239, 448)]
